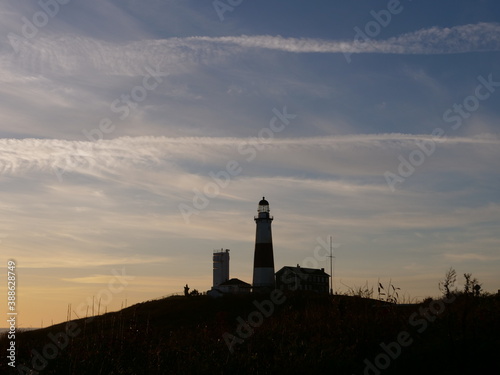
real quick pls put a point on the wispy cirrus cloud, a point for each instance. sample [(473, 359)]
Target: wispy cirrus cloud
[(471, 257), (91, 260), (368, 154), (67, 54), (435, 40)]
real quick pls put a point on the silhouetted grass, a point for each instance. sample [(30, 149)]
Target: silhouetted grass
[(308, 333)]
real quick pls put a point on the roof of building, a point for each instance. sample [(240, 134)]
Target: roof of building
[(309, 271), (235, 281), (263, 202)]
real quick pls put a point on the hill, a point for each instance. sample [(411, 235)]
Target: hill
[(262, 334)]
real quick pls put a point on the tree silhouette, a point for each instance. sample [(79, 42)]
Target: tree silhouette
[(471, 285), (449, 281)]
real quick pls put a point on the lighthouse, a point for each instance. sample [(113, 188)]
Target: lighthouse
[(263, 261)]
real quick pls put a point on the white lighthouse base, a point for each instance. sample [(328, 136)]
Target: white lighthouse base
[(263, 277)]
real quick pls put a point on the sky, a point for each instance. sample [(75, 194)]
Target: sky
[(137, 137)]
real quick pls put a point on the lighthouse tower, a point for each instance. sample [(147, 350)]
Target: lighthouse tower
[(263, 261)]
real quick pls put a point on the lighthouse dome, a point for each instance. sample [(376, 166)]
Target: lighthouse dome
[(263, 202)]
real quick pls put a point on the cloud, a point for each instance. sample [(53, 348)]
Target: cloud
[(20, 156), (435, 40), (74, 55), (471, 257)]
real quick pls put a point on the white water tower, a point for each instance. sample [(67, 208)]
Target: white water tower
[(221, 266)]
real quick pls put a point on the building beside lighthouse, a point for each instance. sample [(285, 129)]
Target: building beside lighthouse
[(221, 267), (263, 261), (299, 278), (222, 284)]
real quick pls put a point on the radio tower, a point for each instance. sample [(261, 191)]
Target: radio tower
[(263, 261), (331, 266)]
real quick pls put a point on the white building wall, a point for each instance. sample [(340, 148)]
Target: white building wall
[(263, 276), (221, 267)]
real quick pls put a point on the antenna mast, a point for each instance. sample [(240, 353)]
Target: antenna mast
[(331, 266)]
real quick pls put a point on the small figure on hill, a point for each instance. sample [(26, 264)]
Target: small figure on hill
[(186, 291)]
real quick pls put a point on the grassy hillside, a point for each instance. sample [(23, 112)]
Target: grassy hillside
[(299, 333)]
